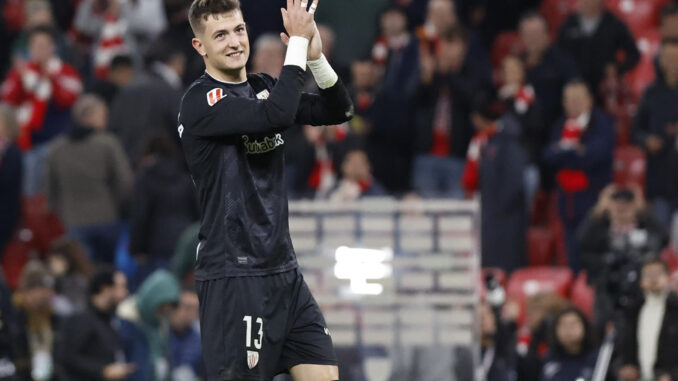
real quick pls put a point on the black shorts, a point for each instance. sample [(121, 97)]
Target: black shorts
[(254, 328)]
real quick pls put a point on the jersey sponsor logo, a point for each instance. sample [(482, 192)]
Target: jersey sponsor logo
[(215, 95), (252, 359), (258, 147), (263, 94)]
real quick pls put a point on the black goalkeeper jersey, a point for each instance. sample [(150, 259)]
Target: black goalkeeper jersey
[(231, 135)]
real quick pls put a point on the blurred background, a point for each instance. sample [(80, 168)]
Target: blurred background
[(501, 207)]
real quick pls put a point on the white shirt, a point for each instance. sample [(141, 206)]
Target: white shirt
[(649, 325)]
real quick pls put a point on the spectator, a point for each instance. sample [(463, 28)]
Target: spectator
[(88, 177), (571, 355), (389, 141), (444, 130), (149, 107), (186, 360), (363, 88), (648, 350), (547, 68), (120, 75), (144, 327), (581, 153), (497, 347), (10, 176), (668, 26), (593, 37), (268, 55), (495, 166), (37, 324), (162, 180), (533, 338), (39, 13), (441, 17), (655, 128), (68, 264), (617, 235), (521, 101), (356, 179), (44, 89), (90, 348)]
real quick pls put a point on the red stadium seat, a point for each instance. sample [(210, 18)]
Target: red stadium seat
[(629, 166), (45, 225), (16, 254), (556, 11), (539, 246), (583, 295), (505, 43), (527, 282), (642, 75), (639, 15)]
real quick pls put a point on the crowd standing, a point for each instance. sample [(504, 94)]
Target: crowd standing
[(557, 115)]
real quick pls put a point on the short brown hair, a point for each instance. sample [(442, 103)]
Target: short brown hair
[(200, 10)]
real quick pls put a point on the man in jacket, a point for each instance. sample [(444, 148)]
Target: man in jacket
[(581, 153), (90, 347)]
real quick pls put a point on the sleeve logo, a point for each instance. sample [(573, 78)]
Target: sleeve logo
[(214, 96)]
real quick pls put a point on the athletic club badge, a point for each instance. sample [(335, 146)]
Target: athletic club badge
[(252, 359), (214, 96)]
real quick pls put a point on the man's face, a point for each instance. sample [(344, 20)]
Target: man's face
[(576, 100), (654, 279), (41, 48), (224, 42), (570, 329), (269, 58), (120, 287), (393, 23), (356, 166), (187, 312), (589, 7), (451, 55), (622, 212), (442, 14), (534, 34), (669, 60)]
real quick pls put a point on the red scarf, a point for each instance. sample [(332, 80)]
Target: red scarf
[(471, 177), (523, 99), (572, 180), (111, 43)]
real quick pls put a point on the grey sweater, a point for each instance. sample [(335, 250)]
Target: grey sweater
[(88, 177)]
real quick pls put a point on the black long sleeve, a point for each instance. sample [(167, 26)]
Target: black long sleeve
[(238, 115), (332, 106), (72, 352)]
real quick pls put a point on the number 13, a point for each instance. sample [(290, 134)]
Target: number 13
[(248, 332)]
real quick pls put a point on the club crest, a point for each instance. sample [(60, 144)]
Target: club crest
[(252, 359)]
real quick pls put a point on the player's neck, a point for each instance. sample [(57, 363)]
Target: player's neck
[(228, 76)]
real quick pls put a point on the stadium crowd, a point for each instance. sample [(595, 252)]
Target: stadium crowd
[(557, 115)]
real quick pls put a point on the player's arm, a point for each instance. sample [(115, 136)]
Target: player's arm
[(332, 106), (239, 116)]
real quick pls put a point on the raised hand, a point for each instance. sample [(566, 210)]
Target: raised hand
[(297, 20), (315, 46)]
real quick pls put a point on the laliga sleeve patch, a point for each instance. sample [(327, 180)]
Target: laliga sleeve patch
[(215, 95)]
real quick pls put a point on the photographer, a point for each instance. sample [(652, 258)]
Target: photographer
[(615, 240)]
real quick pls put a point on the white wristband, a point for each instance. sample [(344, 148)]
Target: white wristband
[(323, 73), (297, 49)]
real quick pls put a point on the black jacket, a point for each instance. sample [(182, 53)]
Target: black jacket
[(593, 53), (155, 227), (10, 193), (667, 350), (657, 115), (87, 344)]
